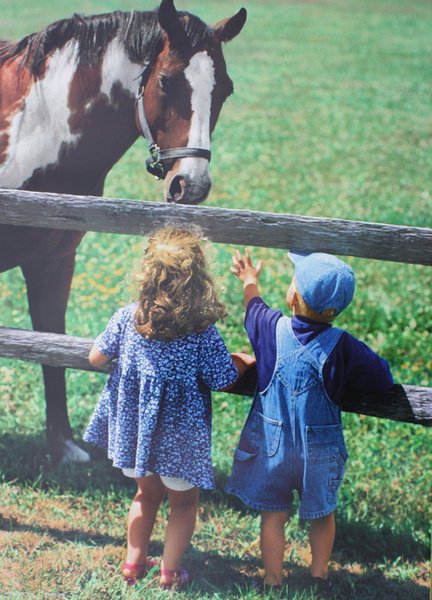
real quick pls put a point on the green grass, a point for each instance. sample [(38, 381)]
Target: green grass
[(330, 117)]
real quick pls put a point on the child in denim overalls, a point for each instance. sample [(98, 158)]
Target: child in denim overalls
[(293, 438)]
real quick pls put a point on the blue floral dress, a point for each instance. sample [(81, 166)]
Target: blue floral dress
[(154, 413)]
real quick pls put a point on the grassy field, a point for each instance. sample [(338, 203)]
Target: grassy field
[(330, 117)]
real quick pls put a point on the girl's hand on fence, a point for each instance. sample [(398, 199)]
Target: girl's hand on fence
[(243, 361), (96, 358)]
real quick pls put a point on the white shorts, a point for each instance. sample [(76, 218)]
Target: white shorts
[(172, 483)]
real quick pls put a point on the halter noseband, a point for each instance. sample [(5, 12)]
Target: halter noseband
[(154, 164)]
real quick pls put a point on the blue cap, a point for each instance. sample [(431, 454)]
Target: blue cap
[(324, 281)]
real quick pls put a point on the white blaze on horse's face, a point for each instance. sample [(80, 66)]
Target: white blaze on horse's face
[(194, 172), (200, 75), (38, 131)]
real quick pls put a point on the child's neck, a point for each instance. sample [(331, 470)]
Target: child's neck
[(309, 314)]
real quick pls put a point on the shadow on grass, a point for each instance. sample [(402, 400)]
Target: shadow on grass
[(24, 461), (232, 577), (361, 542), (370, 585), (59, 535)]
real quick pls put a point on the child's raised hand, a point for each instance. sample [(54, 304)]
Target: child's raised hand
[(243, 268)]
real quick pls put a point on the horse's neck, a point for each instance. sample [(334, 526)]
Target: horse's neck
[(69, 104), (68, 86), (117, 68)]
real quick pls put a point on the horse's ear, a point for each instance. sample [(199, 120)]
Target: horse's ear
[(228, 28), (170, 22)]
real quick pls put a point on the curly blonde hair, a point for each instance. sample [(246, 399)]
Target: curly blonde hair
[(176, 292)]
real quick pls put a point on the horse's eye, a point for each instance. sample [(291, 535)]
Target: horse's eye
[(164, 82)]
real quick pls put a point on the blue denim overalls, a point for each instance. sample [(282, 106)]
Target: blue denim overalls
[(292, 439)]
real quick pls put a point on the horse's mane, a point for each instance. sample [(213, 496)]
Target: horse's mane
[(138, 31)]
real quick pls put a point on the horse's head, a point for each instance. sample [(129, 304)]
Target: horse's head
[(182, 93)]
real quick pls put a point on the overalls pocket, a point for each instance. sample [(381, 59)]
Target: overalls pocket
[(243, 455), (326, 456), (265, 433)]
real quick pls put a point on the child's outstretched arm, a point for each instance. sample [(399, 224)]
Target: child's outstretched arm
[(243, 363), (247, 273)]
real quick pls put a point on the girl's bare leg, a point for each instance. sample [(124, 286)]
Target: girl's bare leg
[(142, 516), (180, 527)]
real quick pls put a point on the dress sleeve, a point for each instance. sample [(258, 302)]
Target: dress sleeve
[(108, 342), (216, 369)]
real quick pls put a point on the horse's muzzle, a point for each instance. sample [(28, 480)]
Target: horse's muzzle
[(183, 190)]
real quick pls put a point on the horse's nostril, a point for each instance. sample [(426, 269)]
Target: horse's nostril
[(176, 189)]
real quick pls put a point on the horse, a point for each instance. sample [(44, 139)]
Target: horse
[(73, 98)]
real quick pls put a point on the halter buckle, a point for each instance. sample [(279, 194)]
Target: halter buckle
[(154, 164)]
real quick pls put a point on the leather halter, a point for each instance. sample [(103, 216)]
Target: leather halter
[(154, 164)]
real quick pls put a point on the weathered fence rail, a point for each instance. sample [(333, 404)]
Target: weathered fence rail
[(308, 234), (295, 232), (402, 403)]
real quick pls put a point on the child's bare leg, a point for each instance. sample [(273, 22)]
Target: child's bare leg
[(273, 545), (142, 516), (321, 536), (180, 527)]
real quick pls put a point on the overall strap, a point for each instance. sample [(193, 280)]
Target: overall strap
[(286, 341), (323, 345), (320, 347)]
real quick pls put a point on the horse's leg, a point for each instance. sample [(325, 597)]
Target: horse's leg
[(48, 285)]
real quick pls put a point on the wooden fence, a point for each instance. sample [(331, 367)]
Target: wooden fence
[(240, 227)]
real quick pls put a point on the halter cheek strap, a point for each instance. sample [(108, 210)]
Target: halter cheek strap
[(154, 164)]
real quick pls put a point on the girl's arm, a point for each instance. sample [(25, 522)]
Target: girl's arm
[(243, 362), (96, 358), (247, 273)]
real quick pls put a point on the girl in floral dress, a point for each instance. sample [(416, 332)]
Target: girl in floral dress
[(154, 413)]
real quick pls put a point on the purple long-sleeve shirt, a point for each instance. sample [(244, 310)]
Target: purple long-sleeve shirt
[(351, 364)]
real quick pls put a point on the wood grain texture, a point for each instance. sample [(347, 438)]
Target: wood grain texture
[(294, 232), (406, 403)]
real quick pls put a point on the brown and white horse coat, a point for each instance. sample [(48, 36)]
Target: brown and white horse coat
[(67, 115)]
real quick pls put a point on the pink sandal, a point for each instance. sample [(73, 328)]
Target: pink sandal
[(175, 579), (137, 571)]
